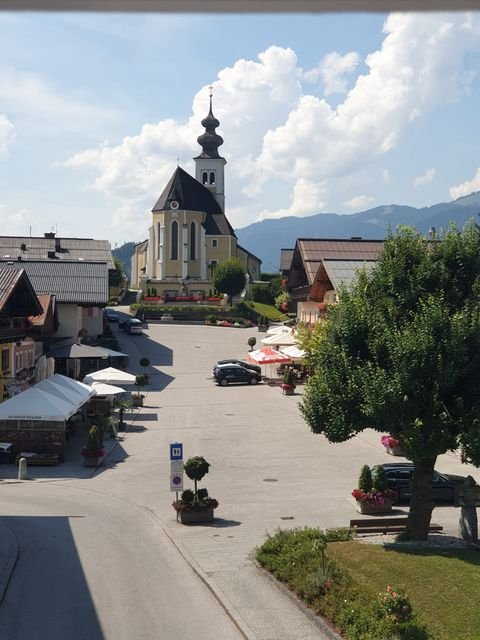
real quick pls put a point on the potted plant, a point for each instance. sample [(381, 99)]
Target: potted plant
[(251, 342), (145, 362), (288, 386), (262, 323), (93, 452), (373, 495), (137, 398), (122, 406), (392, 445), (195, 506)]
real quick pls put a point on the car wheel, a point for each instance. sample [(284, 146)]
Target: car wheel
[(223, 382), (253, 381)]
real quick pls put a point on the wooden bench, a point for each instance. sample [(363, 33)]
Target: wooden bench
[(38, 459), (385, 525)]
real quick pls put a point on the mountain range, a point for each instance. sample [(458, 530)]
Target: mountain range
[(265, 239)]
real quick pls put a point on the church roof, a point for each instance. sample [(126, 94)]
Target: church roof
[(193, 196)]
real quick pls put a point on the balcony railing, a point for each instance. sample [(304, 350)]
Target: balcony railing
[(12, 328)]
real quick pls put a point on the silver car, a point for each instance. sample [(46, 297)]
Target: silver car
[(134, 325)]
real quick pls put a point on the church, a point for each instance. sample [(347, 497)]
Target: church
[(190, 233)]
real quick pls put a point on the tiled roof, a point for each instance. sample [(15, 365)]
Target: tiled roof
[(37, 248), (345, 271), (8, 279), (193, 196), (286, 256), (74, 282), (313, 251)]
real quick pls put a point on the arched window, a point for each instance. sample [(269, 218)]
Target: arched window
[(204, 177), (212, 177), (193, 241), (174, 241)]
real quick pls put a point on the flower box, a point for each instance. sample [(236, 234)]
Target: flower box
[(196, 517), (137, 400), (395, 451), (287, 389), (392, 445), (368, 508)]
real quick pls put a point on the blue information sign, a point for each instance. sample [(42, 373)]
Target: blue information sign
[(176, 451)]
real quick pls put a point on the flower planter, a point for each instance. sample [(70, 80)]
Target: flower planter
[(395, 450), (137, 400), (93, 462), (196, 517), (368, 508), (287, 389)]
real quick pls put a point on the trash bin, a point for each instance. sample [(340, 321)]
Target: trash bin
[(5, 452)]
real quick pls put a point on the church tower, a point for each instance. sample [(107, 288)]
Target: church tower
[(209, 165)]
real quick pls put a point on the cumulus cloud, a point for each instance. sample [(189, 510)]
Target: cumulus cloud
[(275, 131), (18, 221), (358, 202), (333, 71), (467, 187), (6, 135), (425, 178), (37, 103)]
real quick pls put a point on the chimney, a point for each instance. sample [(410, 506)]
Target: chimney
[(50, 235), (57, 245), (23, 247), (51, 255)]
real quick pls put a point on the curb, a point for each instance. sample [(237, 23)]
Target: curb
[(8, 557)]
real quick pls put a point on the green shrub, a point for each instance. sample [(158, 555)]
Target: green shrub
[(379, 480), (365, 479), (188, 496)]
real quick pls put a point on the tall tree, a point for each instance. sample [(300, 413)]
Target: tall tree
[(401, 353), (115, 276), (229, 277)]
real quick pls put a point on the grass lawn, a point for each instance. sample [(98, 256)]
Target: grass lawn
[(345, 581), (443, 586), (272, 313)]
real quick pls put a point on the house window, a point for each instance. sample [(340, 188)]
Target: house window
[(193, 241), (5, 360), (174, 241), (204, 177), (212, 177), (213, 264), (214, 243)]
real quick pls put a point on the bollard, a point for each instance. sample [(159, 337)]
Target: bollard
[(22, 469)]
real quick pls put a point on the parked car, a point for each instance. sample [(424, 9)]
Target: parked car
[(233, 373), (110, 315), (399, 477), (242, 363), (133, 325)]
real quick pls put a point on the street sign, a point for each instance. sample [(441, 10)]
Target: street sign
[(176, 482), (176, 466), (176, 451)]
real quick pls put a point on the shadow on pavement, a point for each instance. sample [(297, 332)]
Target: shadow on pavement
[(48, 595)]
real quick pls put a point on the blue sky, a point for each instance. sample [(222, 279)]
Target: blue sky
[(320, 113)]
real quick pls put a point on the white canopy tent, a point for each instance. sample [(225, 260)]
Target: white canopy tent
[(54, 399), (279, 339), (102, 389), (274, 330), (110, 375)]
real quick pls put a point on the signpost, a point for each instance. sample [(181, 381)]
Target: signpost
[(176, 468)]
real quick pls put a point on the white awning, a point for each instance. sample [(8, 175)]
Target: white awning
[(110, 375)]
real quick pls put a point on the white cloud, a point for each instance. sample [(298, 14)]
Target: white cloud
[(332, 72), (6, 135), (307, 199), (425, 178), (467, 187), (358, 202), (386, 176), (18, 221), (274, 132), (36, 103)]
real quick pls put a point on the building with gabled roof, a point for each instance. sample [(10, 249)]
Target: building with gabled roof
[(190, 233), (320, 265)]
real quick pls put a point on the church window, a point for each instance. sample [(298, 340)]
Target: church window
[(204, 177), (193, 241), (212, 177), (174, 241)]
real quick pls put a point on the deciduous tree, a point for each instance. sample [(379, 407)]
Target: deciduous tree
[(229, 277), (400, 353)]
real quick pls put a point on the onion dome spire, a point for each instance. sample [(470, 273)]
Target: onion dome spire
[(210, 140)]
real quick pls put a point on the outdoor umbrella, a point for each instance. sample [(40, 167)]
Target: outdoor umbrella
[(102, 389), (267, 355), (280, 339), (110, 375), (80, 351), (278, 329), (294, 352)]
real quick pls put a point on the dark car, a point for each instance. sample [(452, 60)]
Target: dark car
[(110, 315), (399, 477), (233, 373), (241, 363)]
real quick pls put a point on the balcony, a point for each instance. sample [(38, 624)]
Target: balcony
[(11, 328)]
